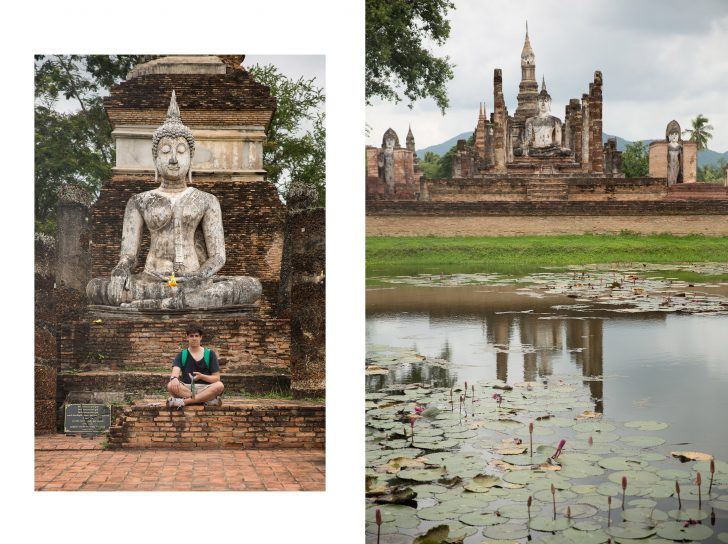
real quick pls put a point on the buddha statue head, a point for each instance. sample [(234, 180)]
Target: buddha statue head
[(173, 146), (544, 100), (672, 132), (390, 140)]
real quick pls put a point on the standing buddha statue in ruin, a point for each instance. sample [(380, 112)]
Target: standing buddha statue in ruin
[(674, 153)]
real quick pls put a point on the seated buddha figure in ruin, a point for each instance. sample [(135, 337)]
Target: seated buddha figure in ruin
[(187, 246), (542, 133)]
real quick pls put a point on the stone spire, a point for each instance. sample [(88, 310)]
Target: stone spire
[(528, 88), (410, 140)]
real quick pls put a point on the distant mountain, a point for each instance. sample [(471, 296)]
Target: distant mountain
[(441, 149), (704, 157)]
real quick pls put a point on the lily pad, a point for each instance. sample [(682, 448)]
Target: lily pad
[(646, 425), (542, 523), (688, 513), (621, 463), (480, 520), (436, 535), (675, 530), (482, 483), (685, 456), (629, 530), (506, 531), (641, 515), (421, 475), (643, 441)]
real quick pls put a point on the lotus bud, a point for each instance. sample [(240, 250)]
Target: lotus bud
[(712, 472), (378, 520), (466, 388), (558, 449), (530, 437), (591, 441), (609, 511), (624, 489), (677, 490), (528, 504), (553, 498), (568, 513), (698, 481)]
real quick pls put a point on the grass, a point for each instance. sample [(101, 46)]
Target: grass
[(523, 254)]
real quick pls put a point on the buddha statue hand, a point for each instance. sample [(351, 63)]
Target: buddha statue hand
[(119, 277), (191, 282)]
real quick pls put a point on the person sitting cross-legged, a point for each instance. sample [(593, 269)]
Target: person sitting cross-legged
[(199, 365)]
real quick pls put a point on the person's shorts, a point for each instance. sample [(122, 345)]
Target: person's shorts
[(199, 387)]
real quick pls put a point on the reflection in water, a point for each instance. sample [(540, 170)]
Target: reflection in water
[(637, 366), (521, 331)]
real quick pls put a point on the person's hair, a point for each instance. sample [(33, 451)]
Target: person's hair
[(194, 327)]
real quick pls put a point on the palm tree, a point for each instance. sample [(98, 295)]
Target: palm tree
[(700, 133)]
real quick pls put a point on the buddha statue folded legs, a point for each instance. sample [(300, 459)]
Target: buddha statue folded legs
[(187, 245)]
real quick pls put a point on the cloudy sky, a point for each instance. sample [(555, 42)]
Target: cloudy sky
[(659, 60)]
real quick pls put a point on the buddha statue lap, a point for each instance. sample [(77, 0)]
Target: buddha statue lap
[(187, 245)]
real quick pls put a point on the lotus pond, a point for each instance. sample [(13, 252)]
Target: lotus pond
[(627, 365)]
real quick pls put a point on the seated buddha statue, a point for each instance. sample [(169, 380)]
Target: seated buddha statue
[(542, 133), (187, 245)]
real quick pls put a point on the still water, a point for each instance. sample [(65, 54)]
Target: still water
[(661, 366)]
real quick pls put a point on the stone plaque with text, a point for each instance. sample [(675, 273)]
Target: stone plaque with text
[(87, 418)]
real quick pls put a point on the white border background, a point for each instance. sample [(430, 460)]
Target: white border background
[(335, 29)]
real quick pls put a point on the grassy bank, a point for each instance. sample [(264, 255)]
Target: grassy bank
[(510, 254)]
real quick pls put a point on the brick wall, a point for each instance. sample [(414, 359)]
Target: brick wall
[(134, 385), (148, 341), (239, 426), (516, 188), (613, 207)]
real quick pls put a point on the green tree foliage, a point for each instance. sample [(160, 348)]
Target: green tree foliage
[(430, 165), (713, 173), (700, 132), (296, 145), (397, 58), (74, 148), (635, 160)]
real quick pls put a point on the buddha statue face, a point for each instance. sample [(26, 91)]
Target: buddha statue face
[(173, 158), (544, 106), (673, 137), (389, 144)]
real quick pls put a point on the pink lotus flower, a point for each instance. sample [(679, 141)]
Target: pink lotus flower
[(558, 449), (378, 516), (419, 409)]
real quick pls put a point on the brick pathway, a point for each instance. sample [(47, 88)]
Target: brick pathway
[(73, 463)]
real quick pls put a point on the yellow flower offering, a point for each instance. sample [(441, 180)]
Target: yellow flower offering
[(172, 281)]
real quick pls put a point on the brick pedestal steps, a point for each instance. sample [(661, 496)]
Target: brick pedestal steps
[(691, 191), (129, 385), (239, 423), (547, 190)]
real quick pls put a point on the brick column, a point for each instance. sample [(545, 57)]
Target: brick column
[(73, 268), (499, 122), (306, 229), (596, 149)]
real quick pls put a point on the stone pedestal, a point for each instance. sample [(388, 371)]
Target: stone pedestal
[(308, 303)]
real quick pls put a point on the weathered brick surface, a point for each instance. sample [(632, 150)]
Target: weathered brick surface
[(586, 207), (308, 302), (245, 342), (241, 425), (227, 99)]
